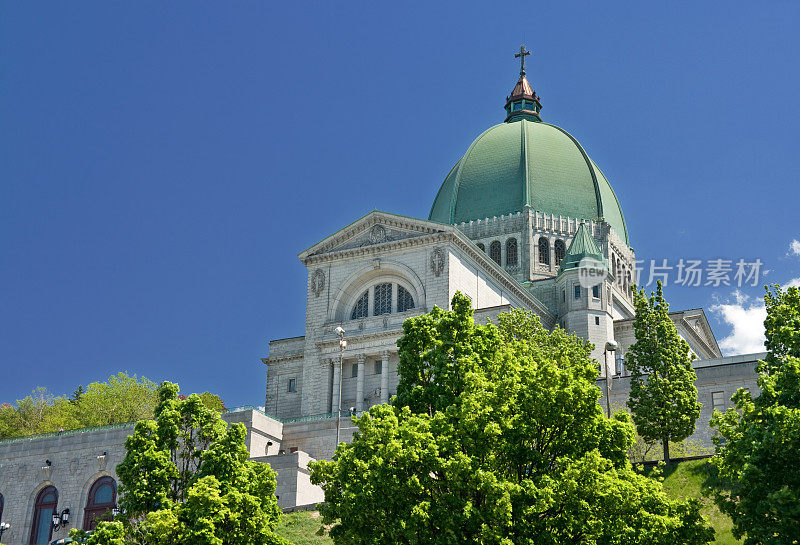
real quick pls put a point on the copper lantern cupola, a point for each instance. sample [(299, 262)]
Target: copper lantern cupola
[(523, 101)]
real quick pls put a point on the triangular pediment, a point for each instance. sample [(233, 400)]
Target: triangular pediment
[(373, 229)]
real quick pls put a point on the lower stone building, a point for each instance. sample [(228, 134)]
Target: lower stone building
[(73, 474)]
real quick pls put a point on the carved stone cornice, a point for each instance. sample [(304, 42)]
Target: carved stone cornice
[(282, 358)]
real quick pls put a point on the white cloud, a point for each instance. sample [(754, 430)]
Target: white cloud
[(794, 247), (793, 283), (747, 324)]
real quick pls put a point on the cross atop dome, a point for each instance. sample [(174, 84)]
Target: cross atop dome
[(521, 56), (523, 103)]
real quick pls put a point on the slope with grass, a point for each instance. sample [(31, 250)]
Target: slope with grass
[(303, 528), (691, 479)]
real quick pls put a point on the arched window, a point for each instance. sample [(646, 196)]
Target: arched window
[(404, 300), (629, 283), (560, 250), (544, 251), (511, 252), (481, 246), (102, 499), (46, 506), (361, 310), (383, 299), (494, 251)]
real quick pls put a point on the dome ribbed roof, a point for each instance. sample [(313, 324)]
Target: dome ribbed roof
[(526, 162)]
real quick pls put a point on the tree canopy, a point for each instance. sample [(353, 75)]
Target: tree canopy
[(121, 399), (663, 398), (186, 478), (759, 443), (495, 437)]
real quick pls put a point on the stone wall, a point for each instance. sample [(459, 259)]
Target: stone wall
[(723, 376), (73, 460)]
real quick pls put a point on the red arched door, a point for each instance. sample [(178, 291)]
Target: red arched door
[(46, 505), (102, 499)]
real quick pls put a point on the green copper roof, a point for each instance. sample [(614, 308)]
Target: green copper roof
[(583, 245), (524, 162)]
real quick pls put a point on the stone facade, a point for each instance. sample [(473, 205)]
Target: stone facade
[(73, 460), (717, 380)]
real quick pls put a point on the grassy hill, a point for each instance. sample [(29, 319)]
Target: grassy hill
[(683, 480), (302, 528)]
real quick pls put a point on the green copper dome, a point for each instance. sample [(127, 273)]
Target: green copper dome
[(526, 162)]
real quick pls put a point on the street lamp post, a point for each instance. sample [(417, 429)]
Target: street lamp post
[(3, 527), (342, 345), (611, 346)]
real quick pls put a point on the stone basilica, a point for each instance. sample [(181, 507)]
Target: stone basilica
[(509, 226)]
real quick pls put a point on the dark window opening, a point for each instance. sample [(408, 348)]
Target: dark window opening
[(102, 499), (383, 299), (46, 505), (544, 251), (361, 310), (511, 252), (560, 250), (494, 251), (404, 300)]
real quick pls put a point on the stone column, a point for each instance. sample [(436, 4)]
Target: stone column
[(360, 384), (337, 370), (385, 376)]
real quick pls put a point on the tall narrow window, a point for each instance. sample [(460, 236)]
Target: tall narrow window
[(481, 246), (383, 299), (378, 367), (577, 291), (511, 252), (361, 310), (46, 506), (354, 371), (102, 499), (560, 249), (404, 300), (544, 251), (292, 385), (495, 251)]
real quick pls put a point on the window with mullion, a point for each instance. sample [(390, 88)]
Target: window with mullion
[(361, 309), (404, 300), (383, 299)]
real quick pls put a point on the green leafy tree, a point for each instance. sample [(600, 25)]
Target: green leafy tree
[(663, 398), (212, 401), (759, 443), (108, 533), (495, 437), (40, 412), (122, 398), (186, 478)]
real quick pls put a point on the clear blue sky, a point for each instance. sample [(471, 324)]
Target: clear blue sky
[(162, 164)]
